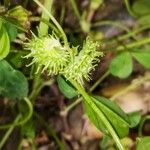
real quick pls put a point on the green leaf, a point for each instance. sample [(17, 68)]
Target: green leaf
[(134, 118), (1, 22), (121, 65), (141, 7), (13, 83), (143, 58), (28, 129), (144, 20), (66, 88), (12, 30), (143, 143), (113, 106), (94, 118), (4, 43), (116, 119)]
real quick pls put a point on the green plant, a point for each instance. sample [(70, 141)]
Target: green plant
[(57, 58), (72, 66)]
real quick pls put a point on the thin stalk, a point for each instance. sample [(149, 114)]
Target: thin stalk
[(129, 8), (30, 112), (108, 22), (134, 44), (79, 100), (43, 28), (133, 33), (99, 80), (62, 16), (50, 131), (133, 86), (75, 8), (54, 21), (88, 99), (9, 131)]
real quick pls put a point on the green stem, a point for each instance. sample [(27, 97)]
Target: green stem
[(129, 8), (133, 33), (30, 112), (108, 22), (99, 80), (50, 131), (134, 44), (54, 21), (43, 28), (79, 100), (9, 131), (88, 99), (133, 86), (141, 125), (75, 8)]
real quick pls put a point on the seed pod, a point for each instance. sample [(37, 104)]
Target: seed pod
[(48, 53), (84, 62)]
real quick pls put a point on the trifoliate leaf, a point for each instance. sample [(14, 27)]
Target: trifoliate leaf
[(121, 65), (13, 83)]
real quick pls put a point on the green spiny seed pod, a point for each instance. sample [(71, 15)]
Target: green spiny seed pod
[(84, 62), (48, 53)]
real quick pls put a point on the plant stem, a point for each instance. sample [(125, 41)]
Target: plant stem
[(134, 44), (129, 8), (88, 99), (79, 100), (75, 8), (54, 21), (99, 80), (50, 131), (9, 131), (133, 33), (108, 22), (134, 85), (43, 28), (30, 112)]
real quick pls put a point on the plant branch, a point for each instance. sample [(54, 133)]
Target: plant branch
[(30, 112), (9, 131)]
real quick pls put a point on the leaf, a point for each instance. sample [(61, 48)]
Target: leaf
[(94, 118), (143, 143), (143, 58), (116, 119), (113, 106), (28, 130), (13, 84), (65, 88), (1, 22), (141, 7), (12, 30), (134, 118), (121, 65), (144, 20), (4, 43)]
